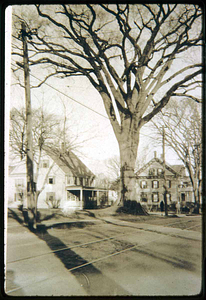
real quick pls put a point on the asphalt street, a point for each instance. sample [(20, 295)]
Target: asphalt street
[(103, 257)]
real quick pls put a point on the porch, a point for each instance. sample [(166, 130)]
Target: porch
[(86, 198)]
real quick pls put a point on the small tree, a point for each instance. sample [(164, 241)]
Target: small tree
[(183, 134), (47, 130), (18, 132)]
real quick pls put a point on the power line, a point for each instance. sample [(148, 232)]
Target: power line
[(69, 97), (52, 87)]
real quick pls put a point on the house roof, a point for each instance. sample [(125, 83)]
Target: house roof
[(11, 168), (175, 169), (180, 169), (18, 168), (68, 162)]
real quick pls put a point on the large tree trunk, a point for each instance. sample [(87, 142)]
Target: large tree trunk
[(128, 146), (128, 153)]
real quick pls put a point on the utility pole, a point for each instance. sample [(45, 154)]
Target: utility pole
[(164, 178), (30, 191)]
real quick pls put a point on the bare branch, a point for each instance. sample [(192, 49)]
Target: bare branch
[(167, 96)]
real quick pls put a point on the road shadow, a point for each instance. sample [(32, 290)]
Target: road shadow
[(68, 225), (87, 212), (12, 214), (46, 217), (174, 261), (94, 282), (89, 277)]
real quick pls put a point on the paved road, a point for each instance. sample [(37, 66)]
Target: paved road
[(116, 258)]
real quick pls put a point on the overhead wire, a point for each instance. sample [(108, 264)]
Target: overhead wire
[(71, 98)]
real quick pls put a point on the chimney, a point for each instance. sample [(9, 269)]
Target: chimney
[(155, 154)]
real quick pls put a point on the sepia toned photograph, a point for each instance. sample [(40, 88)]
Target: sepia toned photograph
[(103, 150)]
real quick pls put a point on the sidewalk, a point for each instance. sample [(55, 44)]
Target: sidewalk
[(159, 213), (177, 232), (42, 276)]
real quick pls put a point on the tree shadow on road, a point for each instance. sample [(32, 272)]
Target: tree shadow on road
[(94, 282), (12, 214), (163, 257), (89, 277)]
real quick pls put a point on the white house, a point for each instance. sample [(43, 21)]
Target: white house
[(64, 179)]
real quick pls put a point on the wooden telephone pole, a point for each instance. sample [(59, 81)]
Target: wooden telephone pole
[(30, 191), (165, 183)]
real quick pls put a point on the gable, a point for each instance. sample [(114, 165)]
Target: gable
[(69, 163), (154, 168), (18, 169)]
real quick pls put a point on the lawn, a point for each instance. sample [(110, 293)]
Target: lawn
[(57, 216)]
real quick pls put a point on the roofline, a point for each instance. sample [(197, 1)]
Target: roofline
[(167, 166), (60, 152)]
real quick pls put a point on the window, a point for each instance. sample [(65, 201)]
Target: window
[(70, 180), (168, 183), (143, 197), (155, 197), (155, 184), (45, 163), (81, 181), (160, 171), (51, 180), (153, 172), (181, 185), (143, 184)]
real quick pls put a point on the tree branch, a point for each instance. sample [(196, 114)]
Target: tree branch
[(166, 98)]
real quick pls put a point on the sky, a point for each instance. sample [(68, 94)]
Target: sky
[(90, 124)]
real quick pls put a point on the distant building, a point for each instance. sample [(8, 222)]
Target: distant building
[(66, 180), (150, 184)]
